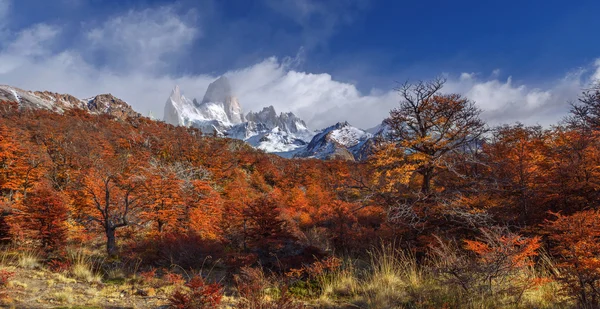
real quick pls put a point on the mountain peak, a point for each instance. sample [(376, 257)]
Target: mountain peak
[(218, 91), (176, 93), (342, 124)]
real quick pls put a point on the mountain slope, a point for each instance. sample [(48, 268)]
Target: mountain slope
[(100, 104), (340, 141)]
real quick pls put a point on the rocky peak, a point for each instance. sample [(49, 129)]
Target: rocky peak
[(341, 141), (285, 121), (266, 115), (218, 91), (109, 104), (176, 93)]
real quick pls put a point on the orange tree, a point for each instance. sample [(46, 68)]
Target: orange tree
[(574, 241), (425, 135), (43, 216)]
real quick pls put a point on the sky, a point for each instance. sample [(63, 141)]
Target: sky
[(326, 61)]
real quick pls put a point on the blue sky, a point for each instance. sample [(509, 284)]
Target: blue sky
[(325, 60)]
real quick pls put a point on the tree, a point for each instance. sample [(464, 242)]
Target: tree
[(428, 135), (109, 198), (20, 166), (267, 232), (162, 189), (428, 125), (44, 215), (585, 114), (518, 158), (575, 242)]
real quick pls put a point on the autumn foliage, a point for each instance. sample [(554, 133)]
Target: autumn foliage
[(485, 206)]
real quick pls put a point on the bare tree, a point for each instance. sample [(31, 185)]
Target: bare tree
[(585, 113), (429, 125)]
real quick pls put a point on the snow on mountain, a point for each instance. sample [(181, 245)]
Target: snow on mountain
[(100, 104), (221, 111), (340, 141), (219, 94), (282, 134)]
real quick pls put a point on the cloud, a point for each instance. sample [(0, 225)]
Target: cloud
[(29, 44), (507, 102), (143, 40), (139, 46), (319, 20), (34, 41)]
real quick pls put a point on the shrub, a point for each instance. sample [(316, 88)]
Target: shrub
[(495, 264), (174, 279), (254, 287), (5, 277), (200, 295), (59, 266)]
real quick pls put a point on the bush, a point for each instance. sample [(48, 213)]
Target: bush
[(495, 266), (258, 292), (5, 277), (198, 296)]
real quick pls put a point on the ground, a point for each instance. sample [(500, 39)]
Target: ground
[(39, 288)]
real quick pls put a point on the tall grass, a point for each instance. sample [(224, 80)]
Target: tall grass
[(28, 259), (394, 278), (83, 267)]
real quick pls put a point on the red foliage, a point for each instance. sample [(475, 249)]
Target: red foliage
[(5, 277), (575, 243), (200, 295), (59, 266), (174, 279)]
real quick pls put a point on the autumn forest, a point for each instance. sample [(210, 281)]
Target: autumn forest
[(446, 212)]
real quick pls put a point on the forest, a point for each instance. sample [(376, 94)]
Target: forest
[(446, 212)]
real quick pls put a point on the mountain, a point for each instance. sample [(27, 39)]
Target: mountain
[(220, 112), (100, 104), (282, 134), (340, 141)]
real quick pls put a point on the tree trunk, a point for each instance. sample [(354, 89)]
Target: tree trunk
[(111, 243), (427, 177)]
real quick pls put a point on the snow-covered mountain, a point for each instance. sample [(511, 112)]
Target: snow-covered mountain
[(218, 112), (340, 141), (100, 104), (283, 134)]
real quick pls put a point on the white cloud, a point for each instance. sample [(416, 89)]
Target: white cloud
[(507, 102), (144, 39), (142, 43), (596, 76), (34, 41), (29, 44)]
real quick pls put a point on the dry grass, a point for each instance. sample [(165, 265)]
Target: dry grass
[(394, 279), (28, 259), (83, 268), (63, 297)]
